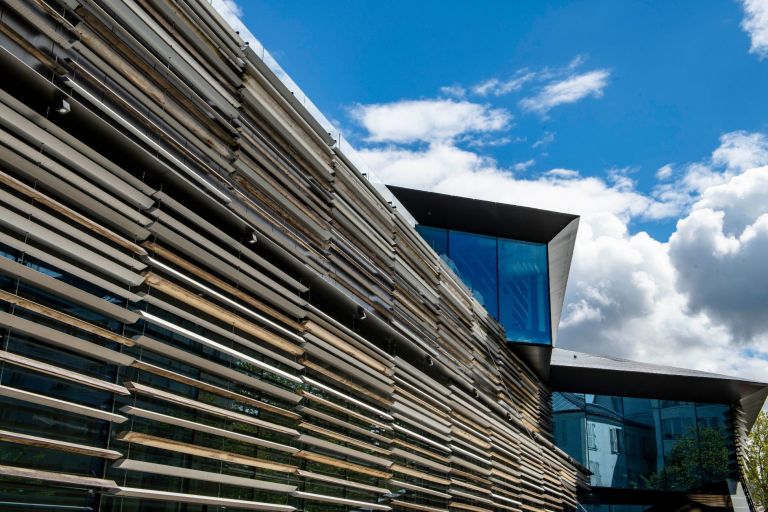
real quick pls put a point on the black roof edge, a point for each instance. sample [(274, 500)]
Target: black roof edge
[(579, 372), (482, 217)]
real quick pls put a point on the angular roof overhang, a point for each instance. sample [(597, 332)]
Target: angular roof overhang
[(579, 372), (556, 230)]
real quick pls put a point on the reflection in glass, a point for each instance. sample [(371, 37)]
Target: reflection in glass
[(436, 238), (524, 291), (475, 257), (570, 424), (646, 444), (605, 441), (509, 277), (641, 422)]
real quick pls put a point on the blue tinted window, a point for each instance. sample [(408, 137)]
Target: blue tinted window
[(475, 258), (646, 444), (436, 238), (524, 291), (509, 277), (642, 421), (570, 424), (606, 448)]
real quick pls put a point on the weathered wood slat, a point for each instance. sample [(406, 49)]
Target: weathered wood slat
[(202, 451), (54, 444)]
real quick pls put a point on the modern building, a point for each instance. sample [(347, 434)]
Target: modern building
[(207, 305), (651, 434), (652, 437)]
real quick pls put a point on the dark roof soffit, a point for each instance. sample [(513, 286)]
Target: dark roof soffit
[(587, 373), (482, 217)]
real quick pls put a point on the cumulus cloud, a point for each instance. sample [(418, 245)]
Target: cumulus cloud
[(568, 90), (740, 150), (703, 294), (428, 120), (719, 251), (737, 152), (755, 23)]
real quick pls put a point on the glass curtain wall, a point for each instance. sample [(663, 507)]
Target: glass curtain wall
[(508, 277), (639, 443), (26, 418)]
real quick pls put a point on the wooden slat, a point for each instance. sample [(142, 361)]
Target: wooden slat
[(331, 461), (208, 307), (62, 405), (54, 444), (343, 483), (49, 369), (176, 497), (216, 390), (64, 318), (194, 474), (59, 478), (344, 439), (208, 429), (135, 387), (202, 451)]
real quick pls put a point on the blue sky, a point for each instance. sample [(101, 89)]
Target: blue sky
[(679, 77), (647, 119)]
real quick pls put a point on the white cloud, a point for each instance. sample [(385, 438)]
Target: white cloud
[(740, 150), (428, 120), (755, 23), (568, 90), (665, 172), (720, 252), (737, 152), (443, 167), (454, 91), (498, 87), (743, 198), (545, 140), (696, 301), (487, 140), (486, 87), (522, 166), (562, 173)]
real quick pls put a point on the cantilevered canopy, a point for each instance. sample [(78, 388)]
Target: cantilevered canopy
[(579, 372), (556, 230)]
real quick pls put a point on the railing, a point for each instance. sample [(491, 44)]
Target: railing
[(748, 495)]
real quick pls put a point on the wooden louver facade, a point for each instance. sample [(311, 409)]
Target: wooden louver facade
[(204, 305)]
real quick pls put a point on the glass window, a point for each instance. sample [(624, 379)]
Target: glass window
[(569, 424), (475, 258), (641, 443), (641, 423), (715, 438), (509, 278), (436, 238), (524, 291), (605, 429)]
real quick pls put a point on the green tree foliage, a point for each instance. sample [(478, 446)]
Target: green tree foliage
[(693, 463), (757, 460)]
